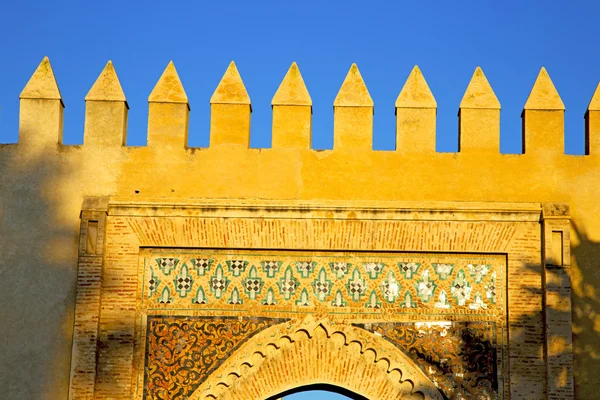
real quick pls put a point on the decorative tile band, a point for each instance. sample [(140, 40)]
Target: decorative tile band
[(351, 283)]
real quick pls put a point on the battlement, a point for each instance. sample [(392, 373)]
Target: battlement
[(290, 169), (231, 108)]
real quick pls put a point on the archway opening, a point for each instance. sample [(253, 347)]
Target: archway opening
[(318, 391)]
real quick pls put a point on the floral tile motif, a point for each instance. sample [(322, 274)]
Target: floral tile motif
[(373, 269), (425, 287), (390, 288), (200, 296), (253, 284), (167, 264), (322, 285), (408, 269), (235, 297), (165, 296), (408, 301), (478, 271), (461, 289), (288, 284), (183, 282), (305, 267), (304, 299), (153, 282), (202, 265), (490, 289), (356, 285), (269, 299), (218, 282), (478, 302), (271, 267), (236, 267), (339, 268), (443, 270), (373, 303), (442, 300), (338, 300)]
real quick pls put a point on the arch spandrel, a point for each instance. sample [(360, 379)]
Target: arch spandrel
[(291, 355)]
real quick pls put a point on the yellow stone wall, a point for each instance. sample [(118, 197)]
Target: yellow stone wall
[(44, 182)]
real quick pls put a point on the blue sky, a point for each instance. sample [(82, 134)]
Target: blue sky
[(316, 395), (509, 40)]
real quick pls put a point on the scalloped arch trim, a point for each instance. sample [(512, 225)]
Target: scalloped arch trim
[(291, 355)]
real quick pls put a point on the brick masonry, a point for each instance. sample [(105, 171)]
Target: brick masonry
[(235, 237)]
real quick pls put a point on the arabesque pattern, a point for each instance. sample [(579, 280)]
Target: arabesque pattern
[(182, 351), (459, 357)]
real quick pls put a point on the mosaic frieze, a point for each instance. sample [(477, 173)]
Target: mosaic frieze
[(459, 357), (181, 352), (459, 284)]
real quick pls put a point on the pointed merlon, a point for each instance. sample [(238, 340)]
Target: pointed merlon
[(479, 93), (544, 96), (416, 93), (169, 89), (231, 89), (354, 92), (595, 102), (107, 87), (292, 91), (42, 84)]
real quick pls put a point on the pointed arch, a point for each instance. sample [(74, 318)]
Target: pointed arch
[(311, 352)]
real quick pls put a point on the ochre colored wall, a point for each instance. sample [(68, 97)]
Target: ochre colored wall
[(43, 183)]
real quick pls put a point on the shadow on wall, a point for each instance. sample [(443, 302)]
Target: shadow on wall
[(38, 259), (586, 314)]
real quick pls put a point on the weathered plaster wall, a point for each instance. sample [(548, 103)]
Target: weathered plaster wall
[(43, 183)]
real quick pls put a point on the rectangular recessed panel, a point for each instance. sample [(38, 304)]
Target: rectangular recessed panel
[(445, 303), (92, 237), (557, 248)]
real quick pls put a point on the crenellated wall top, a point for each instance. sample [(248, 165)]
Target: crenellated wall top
[(231, 108)]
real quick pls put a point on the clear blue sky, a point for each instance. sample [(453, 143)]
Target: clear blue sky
[(316, 395), (510, 40)]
